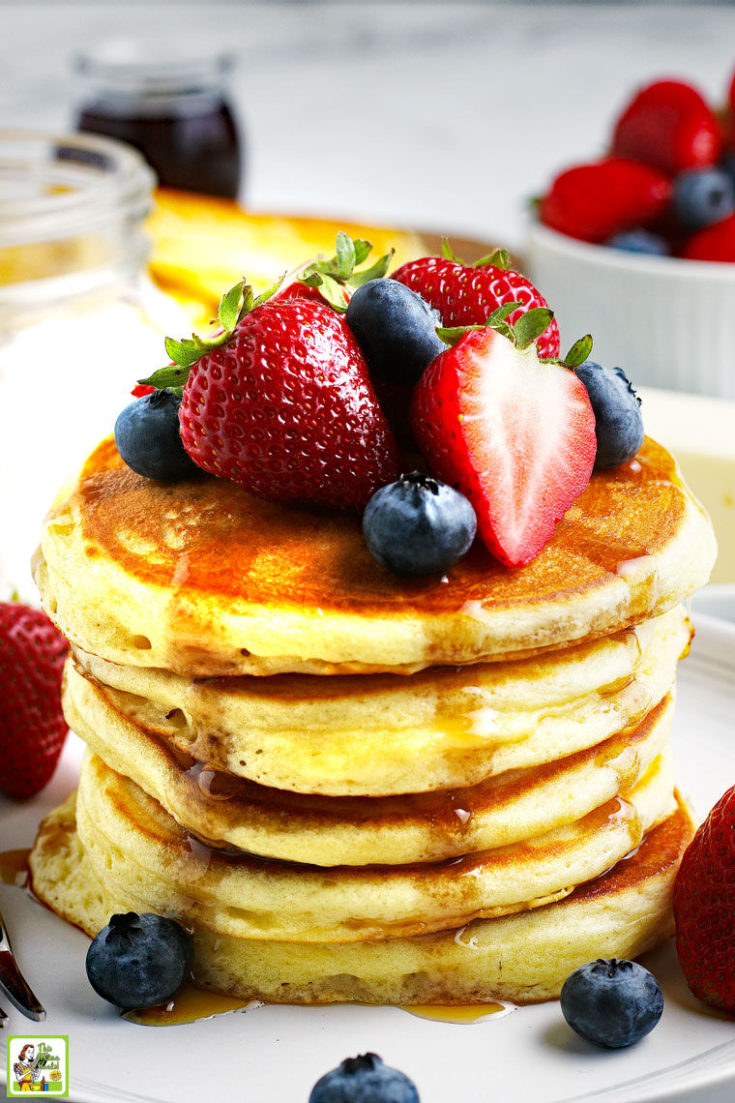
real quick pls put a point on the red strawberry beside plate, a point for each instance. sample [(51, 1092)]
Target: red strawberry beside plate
[(32, 726)]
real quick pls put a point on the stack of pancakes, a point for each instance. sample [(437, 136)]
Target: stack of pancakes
[(355, 786)]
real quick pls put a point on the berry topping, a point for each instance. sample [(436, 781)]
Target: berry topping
[(703, 196), (612, 1003), (595, 201), (364, 1079), (148, 439), (32, 725), (418, 525), (617, 409), (139, 961), (669, 126), (640, 241), (704, 899), (334, 280), (467, 294), (280, 402), (514, 433), (395, 328), (715, 242)]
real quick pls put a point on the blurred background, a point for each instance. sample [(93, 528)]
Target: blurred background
[(447, 115)]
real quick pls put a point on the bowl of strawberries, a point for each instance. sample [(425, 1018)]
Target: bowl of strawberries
[(638, 246)]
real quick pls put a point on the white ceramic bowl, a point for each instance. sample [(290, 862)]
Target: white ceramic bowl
[(667, 322)]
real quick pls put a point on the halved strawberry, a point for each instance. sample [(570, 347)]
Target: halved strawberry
[(514, 433)]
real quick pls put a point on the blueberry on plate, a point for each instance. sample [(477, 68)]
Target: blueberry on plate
[(617, 410), (148, 439), (640, 241), (364, 1079), (612, 1002), (418, 525), (395, 328), (703, 196), (139, 961)]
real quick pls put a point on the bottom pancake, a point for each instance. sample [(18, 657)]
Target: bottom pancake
[(523, 958)]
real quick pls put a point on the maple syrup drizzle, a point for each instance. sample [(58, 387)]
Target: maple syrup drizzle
[(190, 1004), (463, 1014), (14, 867)]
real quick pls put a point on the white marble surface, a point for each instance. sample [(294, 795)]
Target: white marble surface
[(446, 115)]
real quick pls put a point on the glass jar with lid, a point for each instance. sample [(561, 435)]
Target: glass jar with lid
[(171, 104), (80, 320)]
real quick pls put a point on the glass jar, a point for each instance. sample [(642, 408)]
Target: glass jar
[(169, 102), (80, 321)]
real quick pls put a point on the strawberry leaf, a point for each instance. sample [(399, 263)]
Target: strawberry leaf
[(452, 335), (184, 352), (345, 256), (448, 252), (340, 270), (332, 290), (501, 313), (579, 352), (499, 258), (264, 296), (229, 306), (531, 325), (362, 250), (168, 378), (377, 271)]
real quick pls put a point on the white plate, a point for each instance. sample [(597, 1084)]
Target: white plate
[(275, 1054)]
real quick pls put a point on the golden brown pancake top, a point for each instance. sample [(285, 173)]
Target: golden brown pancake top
[(208, 536)]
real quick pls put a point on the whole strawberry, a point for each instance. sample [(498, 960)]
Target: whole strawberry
[(668, 125), (704, 907), (467, 294), (32, 726), (281, 404), (592, 202)]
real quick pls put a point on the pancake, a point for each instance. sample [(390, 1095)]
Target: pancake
[(134, 845), (377, 735), (202, 579), (523, 958), (227, 811)]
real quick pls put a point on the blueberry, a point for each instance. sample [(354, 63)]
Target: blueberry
[(703, 196), (612, 1003), (418, 525), (640, 241), (395, 328), (147, 437), (364, 1079), (139, 961), (617, 410)]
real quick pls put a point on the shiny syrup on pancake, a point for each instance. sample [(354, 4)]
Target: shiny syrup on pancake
[(212, 537), (450, 810)]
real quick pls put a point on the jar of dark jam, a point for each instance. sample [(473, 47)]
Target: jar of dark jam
[(171, 105)]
